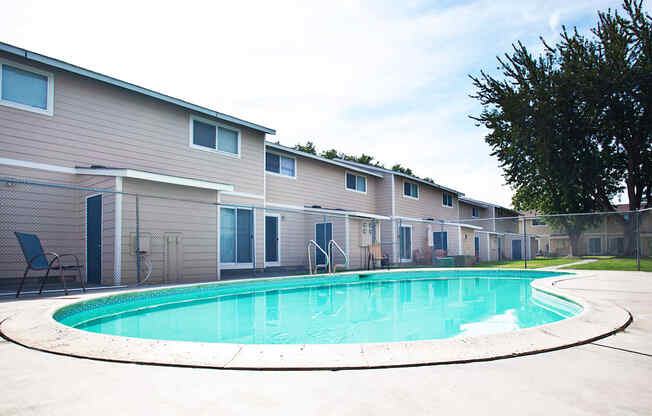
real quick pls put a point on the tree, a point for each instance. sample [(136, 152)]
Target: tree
[(555, 122), (398, 168), (309, 147)]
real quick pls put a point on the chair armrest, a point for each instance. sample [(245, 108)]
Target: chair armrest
[(70, 255), (45, 255)]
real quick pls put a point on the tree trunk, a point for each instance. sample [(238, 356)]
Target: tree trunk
[(574, 244), (629, 228)]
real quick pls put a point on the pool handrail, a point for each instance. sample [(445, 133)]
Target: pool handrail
[(331, 266), (326, 265)]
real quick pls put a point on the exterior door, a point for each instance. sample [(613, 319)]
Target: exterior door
[(477, 246), (516, 249), (323, 234), (94, 239), (271, 240)]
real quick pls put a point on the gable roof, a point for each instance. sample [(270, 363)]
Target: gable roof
[(393, 172), (321, 159), (64, 66)]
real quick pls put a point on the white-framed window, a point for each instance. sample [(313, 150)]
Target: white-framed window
[(26, 88), (280, 165), (411, 190), (356, 183), (475, 212), (447, 200), (214, 137)]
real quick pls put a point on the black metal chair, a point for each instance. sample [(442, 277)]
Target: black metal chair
[(37, 259)]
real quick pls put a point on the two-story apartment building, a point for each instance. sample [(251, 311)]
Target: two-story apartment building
[(604, 234), (205, 191)]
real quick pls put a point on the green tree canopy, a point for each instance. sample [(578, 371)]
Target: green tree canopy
[(571, 128)]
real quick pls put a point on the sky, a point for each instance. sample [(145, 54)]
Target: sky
[(389, 79)]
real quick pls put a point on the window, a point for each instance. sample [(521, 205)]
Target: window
[(207, 135), (447, 200), (595, 246), (536, 222), (411, 190), (616, 245), (356, 183), (475, 212), (236, 235), (440, 240), (405, 243), (280, 165), (26, 88)]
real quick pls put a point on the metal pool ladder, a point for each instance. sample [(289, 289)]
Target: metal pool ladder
[(325, 266), (332, 268)]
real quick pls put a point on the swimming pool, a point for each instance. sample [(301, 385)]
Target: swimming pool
[(339, 309)]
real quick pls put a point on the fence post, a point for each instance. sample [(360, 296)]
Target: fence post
[(637, 238), (137, 241), (525, 242)]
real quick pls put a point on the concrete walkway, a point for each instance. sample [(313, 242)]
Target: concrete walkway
[(561, 266), (609, 376)]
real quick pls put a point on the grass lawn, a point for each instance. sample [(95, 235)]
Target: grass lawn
[(531, 264), (615, 263)]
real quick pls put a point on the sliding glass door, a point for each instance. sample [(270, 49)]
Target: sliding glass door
[(236, 236)]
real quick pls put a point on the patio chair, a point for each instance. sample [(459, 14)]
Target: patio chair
[(37, 259)]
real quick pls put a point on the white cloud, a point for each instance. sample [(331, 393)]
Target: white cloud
[(380, 78)]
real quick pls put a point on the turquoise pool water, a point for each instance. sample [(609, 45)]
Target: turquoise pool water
[(381, 307)]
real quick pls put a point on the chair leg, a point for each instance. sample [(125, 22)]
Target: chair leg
[(43, 281), (22, 282), (83, 284), (63, 279)]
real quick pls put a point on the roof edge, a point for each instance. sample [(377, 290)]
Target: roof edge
[(56, 63)]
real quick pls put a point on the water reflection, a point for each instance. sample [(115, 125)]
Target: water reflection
[(374, 311)]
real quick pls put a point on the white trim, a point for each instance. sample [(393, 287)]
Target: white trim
[(410, 196), (217, 225), (217, 144), (408, 260), (356, 182), (49, 110), (267, 172), (330, 212), (459, 240), (278, 240), (117, 239), (347, 238), (156, 177), (321, 159), (393, 196), (488, 248), (35, 165), (243, 195), (86, 233)]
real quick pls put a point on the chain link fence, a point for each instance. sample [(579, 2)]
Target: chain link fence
[(128, 238)]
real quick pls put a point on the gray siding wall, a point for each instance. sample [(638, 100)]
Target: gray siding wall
[(194, 222), (319, 183), (98, 124), (429, 204)]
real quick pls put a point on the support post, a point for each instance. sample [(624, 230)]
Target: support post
[(137, 240), (525, 242), (637, 238)]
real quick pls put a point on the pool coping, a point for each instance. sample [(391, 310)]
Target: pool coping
[(35, 328)]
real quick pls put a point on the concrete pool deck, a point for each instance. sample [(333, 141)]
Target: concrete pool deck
[(609, 376)]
